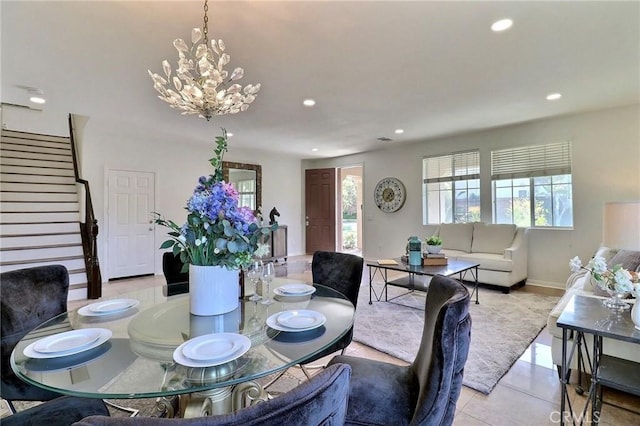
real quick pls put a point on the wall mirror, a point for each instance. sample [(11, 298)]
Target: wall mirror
[(247, 180)]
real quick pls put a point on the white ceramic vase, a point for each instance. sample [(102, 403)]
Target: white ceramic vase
[(213, 290), (635, 313)]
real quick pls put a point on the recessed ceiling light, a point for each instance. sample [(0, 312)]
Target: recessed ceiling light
[(229, 134), (309, 102), (553, 96), (399, 131), (314, 149), (37, 100), (501, 25)]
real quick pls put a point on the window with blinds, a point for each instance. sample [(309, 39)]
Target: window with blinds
[(451, 188), (531, 161), (532, 186)]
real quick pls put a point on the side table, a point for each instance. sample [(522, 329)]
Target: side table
[(587, 315)]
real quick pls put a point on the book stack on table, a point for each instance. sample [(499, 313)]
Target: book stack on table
[(434, 259)]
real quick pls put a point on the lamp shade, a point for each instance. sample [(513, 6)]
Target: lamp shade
[(621, 225)]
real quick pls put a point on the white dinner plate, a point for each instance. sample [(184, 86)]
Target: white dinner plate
[(295, 289), (182, 359), (107, 307), (110, 306), (69, 362), (104, 335), (296, 320), (67, 341), (212, 346)]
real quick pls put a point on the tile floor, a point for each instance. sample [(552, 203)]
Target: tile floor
[(529, 394)]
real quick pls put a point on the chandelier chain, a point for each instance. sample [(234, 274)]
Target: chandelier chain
[(205, 25)]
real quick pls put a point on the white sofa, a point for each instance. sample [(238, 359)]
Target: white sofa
[(580, 283), (501, 250)]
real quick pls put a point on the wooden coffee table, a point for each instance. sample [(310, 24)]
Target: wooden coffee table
[(454, 267)]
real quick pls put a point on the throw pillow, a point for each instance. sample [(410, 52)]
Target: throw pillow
[(629, 259), (492, 238), (456, 236)]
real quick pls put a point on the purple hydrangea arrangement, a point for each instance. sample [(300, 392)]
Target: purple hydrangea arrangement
[(217, 232)]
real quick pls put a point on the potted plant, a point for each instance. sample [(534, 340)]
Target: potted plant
[(218, 239), (434, 244)]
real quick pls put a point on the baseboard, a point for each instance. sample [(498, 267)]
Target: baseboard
[(546, 284)]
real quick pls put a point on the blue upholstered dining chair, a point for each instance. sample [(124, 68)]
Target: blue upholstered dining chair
[(29, 297), (59, 411), (177, 281), (341, 272), (319, 401), (425, 392)]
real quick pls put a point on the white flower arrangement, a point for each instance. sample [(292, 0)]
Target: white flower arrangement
[(615, 279)]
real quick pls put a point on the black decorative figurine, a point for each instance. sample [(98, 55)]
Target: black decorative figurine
[(272, 216)]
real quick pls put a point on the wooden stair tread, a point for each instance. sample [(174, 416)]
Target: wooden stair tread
[(50, 259), (47, 246)]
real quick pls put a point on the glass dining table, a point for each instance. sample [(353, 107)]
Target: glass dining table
[(132, 352)]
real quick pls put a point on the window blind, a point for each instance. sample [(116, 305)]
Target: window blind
[(450, 167), (531, 161)]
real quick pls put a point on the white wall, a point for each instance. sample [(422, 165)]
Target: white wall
[(606, 167), (177, 165)]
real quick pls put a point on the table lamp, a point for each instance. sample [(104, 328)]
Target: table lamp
[(621, 225)]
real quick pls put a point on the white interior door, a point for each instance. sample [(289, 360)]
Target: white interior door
[(131, 237)]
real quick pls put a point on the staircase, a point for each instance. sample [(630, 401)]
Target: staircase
[(39, 208)]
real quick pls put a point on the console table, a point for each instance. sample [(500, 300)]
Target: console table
[(454, 267), (278, 242), (587, 315)]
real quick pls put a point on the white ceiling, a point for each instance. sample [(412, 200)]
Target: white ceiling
[(430, 68)]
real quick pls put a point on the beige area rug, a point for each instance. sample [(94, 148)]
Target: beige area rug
[(503, 326)]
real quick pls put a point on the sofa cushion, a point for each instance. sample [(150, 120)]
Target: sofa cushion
[(490, 238), (453, 254), (489, 261), (456, 236), (629, 259)]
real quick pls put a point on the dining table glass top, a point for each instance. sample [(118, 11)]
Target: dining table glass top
[(129, 352)]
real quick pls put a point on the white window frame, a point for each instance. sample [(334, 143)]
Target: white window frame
[(449, 171), (530, 163), (246, 197)]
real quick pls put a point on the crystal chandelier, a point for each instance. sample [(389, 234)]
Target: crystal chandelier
[(200, 84)]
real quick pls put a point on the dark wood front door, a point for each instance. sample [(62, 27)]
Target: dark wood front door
[(320, 209)]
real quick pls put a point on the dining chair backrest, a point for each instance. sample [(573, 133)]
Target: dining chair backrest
[(425, 392), (172, 268), (439, 363), (177, 281), (28, 297), (340, 271), (319, 401)]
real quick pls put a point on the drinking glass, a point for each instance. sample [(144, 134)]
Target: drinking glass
[(254, 272), (268, 273)]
